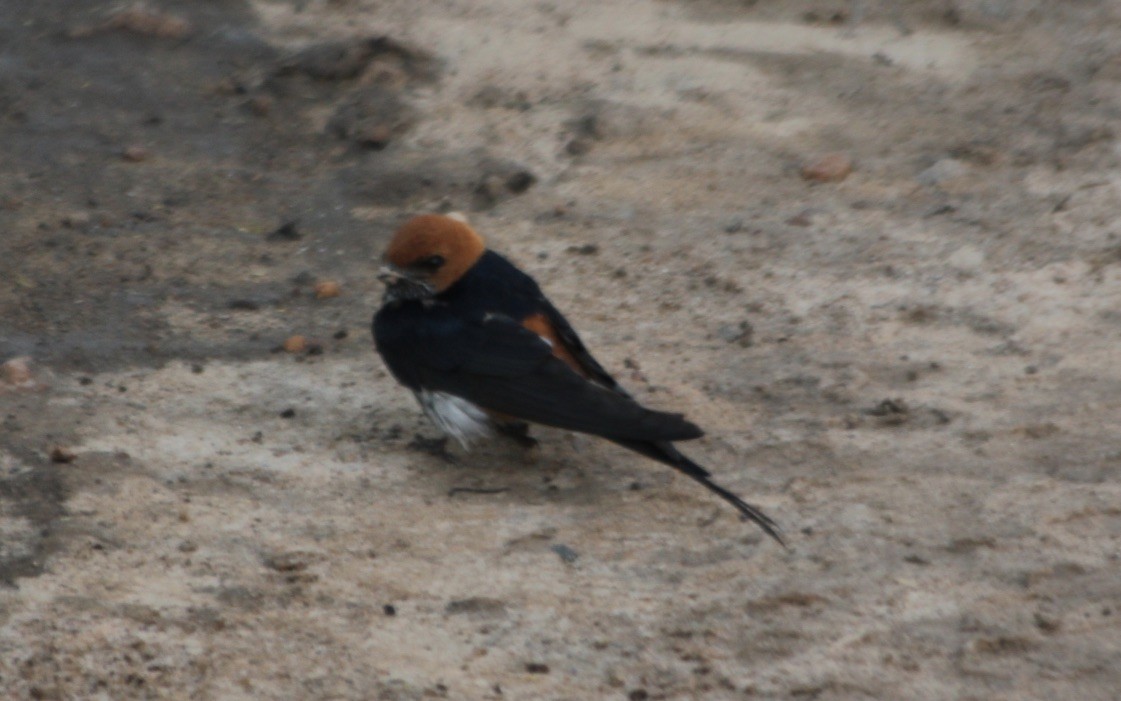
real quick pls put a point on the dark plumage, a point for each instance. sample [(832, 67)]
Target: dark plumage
[(483, 346)]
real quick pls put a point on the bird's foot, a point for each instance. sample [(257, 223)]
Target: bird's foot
[(436, 447), (519, 432)]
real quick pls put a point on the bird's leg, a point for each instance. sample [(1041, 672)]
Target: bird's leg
[(436, 447), (518, 431)]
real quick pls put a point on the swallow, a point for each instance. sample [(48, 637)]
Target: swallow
[(485, 351)]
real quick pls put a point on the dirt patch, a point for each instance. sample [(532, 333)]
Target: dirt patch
[(912, 368)]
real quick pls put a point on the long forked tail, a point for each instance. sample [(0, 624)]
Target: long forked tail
[(665, 453)]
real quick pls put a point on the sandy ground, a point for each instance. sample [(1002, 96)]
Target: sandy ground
[(914, 370)]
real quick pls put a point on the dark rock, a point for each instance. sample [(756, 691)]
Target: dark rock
[(565, 553), (285, 232), (520, 181), (371, 117)]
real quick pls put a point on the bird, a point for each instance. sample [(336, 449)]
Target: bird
[(484, 351)]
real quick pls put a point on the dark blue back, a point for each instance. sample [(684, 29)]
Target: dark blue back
[(436, 333)]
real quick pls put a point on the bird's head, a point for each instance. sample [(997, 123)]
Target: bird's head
[(427, 255)]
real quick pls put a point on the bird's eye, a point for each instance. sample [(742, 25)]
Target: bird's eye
[(429, 263)]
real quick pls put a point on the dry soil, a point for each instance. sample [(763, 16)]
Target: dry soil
[(915, 369)]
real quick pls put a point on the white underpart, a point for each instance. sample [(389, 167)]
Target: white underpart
[(455, 416)]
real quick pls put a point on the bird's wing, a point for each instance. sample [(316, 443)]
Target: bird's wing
[(501, 366), (568, 337)]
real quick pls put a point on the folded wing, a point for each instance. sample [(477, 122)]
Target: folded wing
[(501, 366)]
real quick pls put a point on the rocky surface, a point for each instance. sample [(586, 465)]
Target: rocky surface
[(912, 367)]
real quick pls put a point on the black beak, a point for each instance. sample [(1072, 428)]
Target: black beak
[(390, 275), (400, 285)]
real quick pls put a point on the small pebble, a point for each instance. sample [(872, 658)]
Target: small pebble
[(77, 220), (139, 20), (488, 191), (742, 334), (944, 170), (295, 344), (830, 168), (800, 219), (17, 371), (520, 182), (285, 232), (327, 289), (135, 154), (376, 137), (578, 147), (261, 105), (565, 553), (587, 249), (62, 455)]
